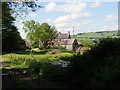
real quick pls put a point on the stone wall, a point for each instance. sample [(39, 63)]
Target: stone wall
[(69, 47)]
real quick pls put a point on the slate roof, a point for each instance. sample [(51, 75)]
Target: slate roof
[(65, 41), (63, 36)]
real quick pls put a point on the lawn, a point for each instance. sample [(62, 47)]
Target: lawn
[(19, 58), (50, 76)]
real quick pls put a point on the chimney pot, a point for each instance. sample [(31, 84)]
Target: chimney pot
[(69, 32)]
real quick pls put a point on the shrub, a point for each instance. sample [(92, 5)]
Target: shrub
[(64, 56), (35, 66), (52, 72), (98, 67), (81, 50), (57, 47), (86, 42)]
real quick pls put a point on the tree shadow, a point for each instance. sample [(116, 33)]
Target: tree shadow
[(27, 52)]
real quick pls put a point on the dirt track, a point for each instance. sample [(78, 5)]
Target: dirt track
[(8, 82)]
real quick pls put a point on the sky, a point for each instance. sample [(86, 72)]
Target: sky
[(83, 16)]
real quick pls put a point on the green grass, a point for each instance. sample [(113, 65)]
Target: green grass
[(88, 43), (20, 58), (37, 60), (89, 39), (48, 71), (101, 34)]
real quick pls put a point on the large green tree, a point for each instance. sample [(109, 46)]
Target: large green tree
[(11, 39), (42, 34)]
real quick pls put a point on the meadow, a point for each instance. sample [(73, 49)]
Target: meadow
[(19, 58), (35, 64), (94, 35)]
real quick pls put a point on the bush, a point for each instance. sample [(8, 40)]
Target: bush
[(81, 50), (98, 67), (64, 56), (57, 47), (52, 72), (35, 66), (86, 42)]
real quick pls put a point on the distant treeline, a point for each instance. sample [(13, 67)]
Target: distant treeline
[(98, 32)]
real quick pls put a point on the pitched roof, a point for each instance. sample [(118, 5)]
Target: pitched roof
[(63, 36), (65, 41)]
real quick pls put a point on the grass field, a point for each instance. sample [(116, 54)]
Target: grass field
[(36, 61), (19, 58), (102, 34)]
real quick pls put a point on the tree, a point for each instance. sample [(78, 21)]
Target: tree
[(20, 9), (98, 67), (11, 10), (42, 34), (11, 39)]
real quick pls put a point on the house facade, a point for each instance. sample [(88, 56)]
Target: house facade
[(65, 40)]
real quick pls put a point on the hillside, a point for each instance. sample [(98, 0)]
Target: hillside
[(101, 34)]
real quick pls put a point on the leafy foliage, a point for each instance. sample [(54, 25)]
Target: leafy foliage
[(11, 39), (98, 67), (42, 34), (21, 9), (64, 56), (86, 42)]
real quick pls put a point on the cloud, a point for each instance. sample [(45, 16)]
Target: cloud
[(78, 26), (69, 7), (50, 7), (62, 19), (32, 14), (21, 21), (20, 26), (47, 20), (111, 18), (96, 4), (61, 25), (109, 27), (70, 17), (23, 34), (75, 11), (86, 22), (105, 28)]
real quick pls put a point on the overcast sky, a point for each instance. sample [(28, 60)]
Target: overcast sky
[(83, 16)]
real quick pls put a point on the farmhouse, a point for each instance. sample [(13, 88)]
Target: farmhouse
[(65, 40)]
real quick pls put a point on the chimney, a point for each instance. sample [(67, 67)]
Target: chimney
[(60, 33), (69, 32)]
